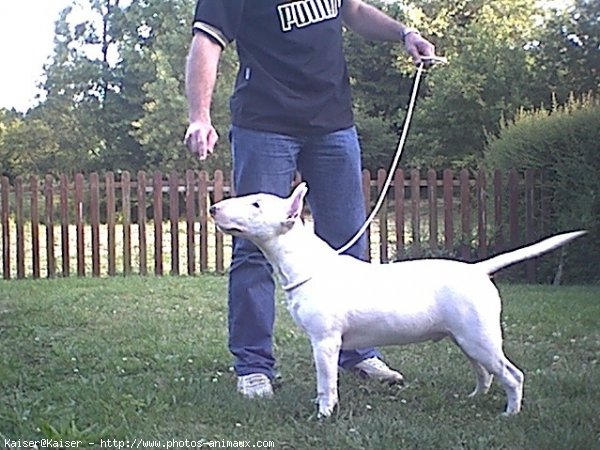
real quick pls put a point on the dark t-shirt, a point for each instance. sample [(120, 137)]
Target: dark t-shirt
[(293, 77)]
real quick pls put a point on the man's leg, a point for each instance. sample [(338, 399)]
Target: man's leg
[(262, 162), (331, 166)]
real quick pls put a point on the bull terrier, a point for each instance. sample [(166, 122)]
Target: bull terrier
[(345, 303)]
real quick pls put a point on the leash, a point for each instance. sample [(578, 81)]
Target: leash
[(409, 112)]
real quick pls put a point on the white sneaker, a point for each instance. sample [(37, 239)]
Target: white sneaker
[(255, 385), (376, 369)]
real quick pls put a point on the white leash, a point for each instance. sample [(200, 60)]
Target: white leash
[(390, 177)]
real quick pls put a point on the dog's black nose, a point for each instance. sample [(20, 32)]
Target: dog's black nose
[(212, 210)]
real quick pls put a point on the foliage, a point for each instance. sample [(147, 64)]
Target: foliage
[(488, 77), (114, 86), (563, 142), (567, 52)]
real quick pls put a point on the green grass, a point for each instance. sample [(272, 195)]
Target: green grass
[(146, 358)]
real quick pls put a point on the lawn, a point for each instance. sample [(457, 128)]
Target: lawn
[(145, 358)]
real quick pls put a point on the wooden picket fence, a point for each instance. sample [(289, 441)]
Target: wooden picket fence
[(104, 226)]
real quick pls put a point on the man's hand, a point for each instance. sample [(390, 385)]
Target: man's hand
[(201, 138), (417, 46)]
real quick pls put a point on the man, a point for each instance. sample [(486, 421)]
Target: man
[(291, 110)]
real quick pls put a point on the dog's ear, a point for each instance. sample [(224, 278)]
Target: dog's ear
[(297, 201), (295, 205)]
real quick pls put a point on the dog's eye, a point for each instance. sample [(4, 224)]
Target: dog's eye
[(256, 204)]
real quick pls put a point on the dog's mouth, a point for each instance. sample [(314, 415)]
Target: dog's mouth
[(230, 230)]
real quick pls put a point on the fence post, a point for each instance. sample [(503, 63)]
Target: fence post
[(20, 227), (203, 217), (64, 226), (432, 205), (481, 213), (190, 217), (4, 209), (110, 223), (126, 201), (498, 222), (95, 222), (448, 181), (158, 217), (399, 210), (465, 213), (49, 218), (415, 196), (35, 225), (383, 223), (174, 220), (79, 225), (141, 221)]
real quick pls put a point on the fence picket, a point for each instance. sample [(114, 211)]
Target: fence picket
[(174, 220), (20, 224), (399, 209), (480, 188), (64, 226), (432, 209), (95, 222), (158, 217), (4, 215), (415, 207), (448, 183), (190, 218), (383, 219), (203, 218), (49, 219), (498, 210), (111, 223), (35, 225), (141, 222), (79, 185), (126, 211)]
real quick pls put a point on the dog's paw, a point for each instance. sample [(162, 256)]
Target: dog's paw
[(326, 411)]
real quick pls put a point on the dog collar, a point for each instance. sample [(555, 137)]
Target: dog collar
[(296, 284)]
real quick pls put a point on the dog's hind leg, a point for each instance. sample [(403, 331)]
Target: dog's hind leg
[(512, 379), (326, 352), (484, 379), (489, 355)]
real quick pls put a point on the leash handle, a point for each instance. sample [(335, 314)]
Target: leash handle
[(396, 160), (435, 59)]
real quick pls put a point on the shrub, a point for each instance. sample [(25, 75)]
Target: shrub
[(564, 143)]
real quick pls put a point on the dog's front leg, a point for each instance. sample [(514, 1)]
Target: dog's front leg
[(326, 353)]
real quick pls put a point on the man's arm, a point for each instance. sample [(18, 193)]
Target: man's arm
[(371, 23), (200, 79)]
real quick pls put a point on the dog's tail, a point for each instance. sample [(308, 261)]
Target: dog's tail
[(496, 263)]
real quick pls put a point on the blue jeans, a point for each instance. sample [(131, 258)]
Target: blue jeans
[(267, 162)]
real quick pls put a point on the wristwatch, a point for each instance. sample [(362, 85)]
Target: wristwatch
[(408, 30)]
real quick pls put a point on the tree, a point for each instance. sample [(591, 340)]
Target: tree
[(567, 53), (488, 78), (161, 126)]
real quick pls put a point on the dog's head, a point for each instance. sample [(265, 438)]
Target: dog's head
[(259, 217)]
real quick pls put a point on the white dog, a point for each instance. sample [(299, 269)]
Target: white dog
[(342, 302)]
